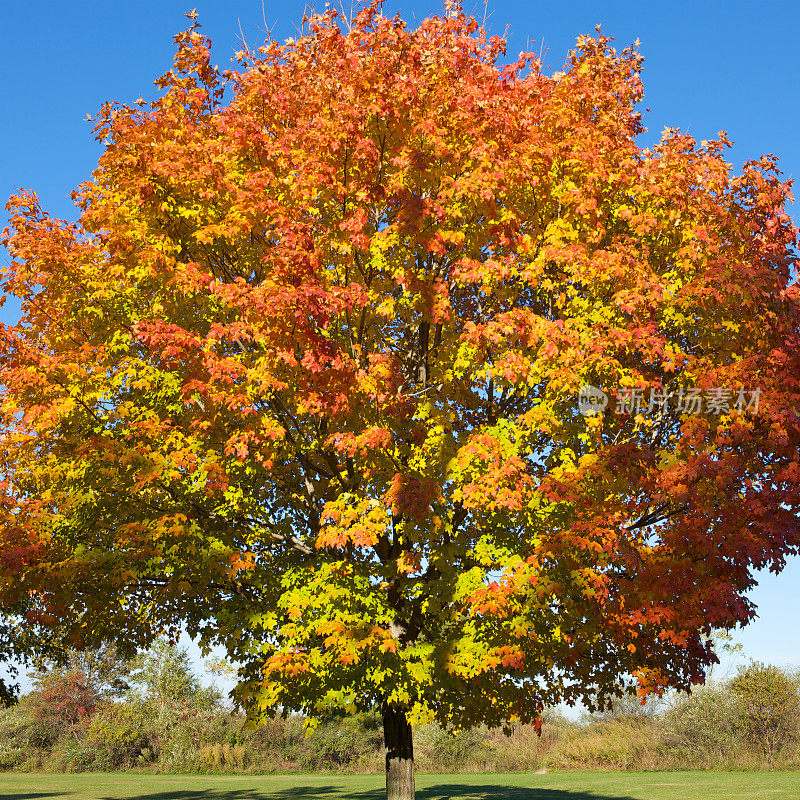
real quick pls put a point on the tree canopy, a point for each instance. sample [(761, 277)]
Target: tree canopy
[(304, 377)]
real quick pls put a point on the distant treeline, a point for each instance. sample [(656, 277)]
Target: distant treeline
[(98, 712)]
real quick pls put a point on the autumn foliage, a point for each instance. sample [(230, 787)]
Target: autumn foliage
[(304, 376)]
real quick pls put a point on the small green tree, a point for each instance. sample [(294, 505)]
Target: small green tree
[(165, 687), (163, 676), (770, 707), (220, 669)]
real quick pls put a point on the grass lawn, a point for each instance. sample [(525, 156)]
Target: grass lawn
[(509, 786)]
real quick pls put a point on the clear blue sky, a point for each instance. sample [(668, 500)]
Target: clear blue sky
[(709, 66)]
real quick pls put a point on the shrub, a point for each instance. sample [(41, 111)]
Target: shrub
[(752, 721), (450, 750), (220, 756), (342, 742), (630, 706), (704, 727), (60, 701), (120, 732), (769, 707), (276, 743), (15, 737), (523, 748), (74, 754)]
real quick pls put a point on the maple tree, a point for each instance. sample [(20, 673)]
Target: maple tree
[(303, 378)]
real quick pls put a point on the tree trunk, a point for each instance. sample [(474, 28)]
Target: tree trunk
[(399, 754)]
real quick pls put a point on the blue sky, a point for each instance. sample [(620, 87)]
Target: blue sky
[(708, 66)]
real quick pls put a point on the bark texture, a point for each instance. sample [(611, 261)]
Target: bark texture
[(399, 754)]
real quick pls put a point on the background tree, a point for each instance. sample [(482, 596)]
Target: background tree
[(162, 676), (104, 669), (70, 686), (770, 707), (61, 702), (304, 375), (165, 687), (631, 707)]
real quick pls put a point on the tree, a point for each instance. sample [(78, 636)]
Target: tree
[(8, 690), (770, 707), (164, 686), (22, 636), (103, 670), (60, 701), (70, 686), (163, 677), (304, 377)]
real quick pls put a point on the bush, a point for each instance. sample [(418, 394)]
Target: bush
[(220, 756), (525, 749), (703, 728), (15, 738), (74, 754), (630, 706), (60, 701), (342, 742), (275, 744), (437, 748), (120, 732), (752, 721), (770, 708)]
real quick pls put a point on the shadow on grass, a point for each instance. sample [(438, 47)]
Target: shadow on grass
[(487, 791), (445, 791), (311, 792), (23, 795)]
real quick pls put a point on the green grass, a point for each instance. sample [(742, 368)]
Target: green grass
[(515, 786)]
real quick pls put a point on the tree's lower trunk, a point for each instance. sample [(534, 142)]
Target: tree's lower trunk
[(399, 754)]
